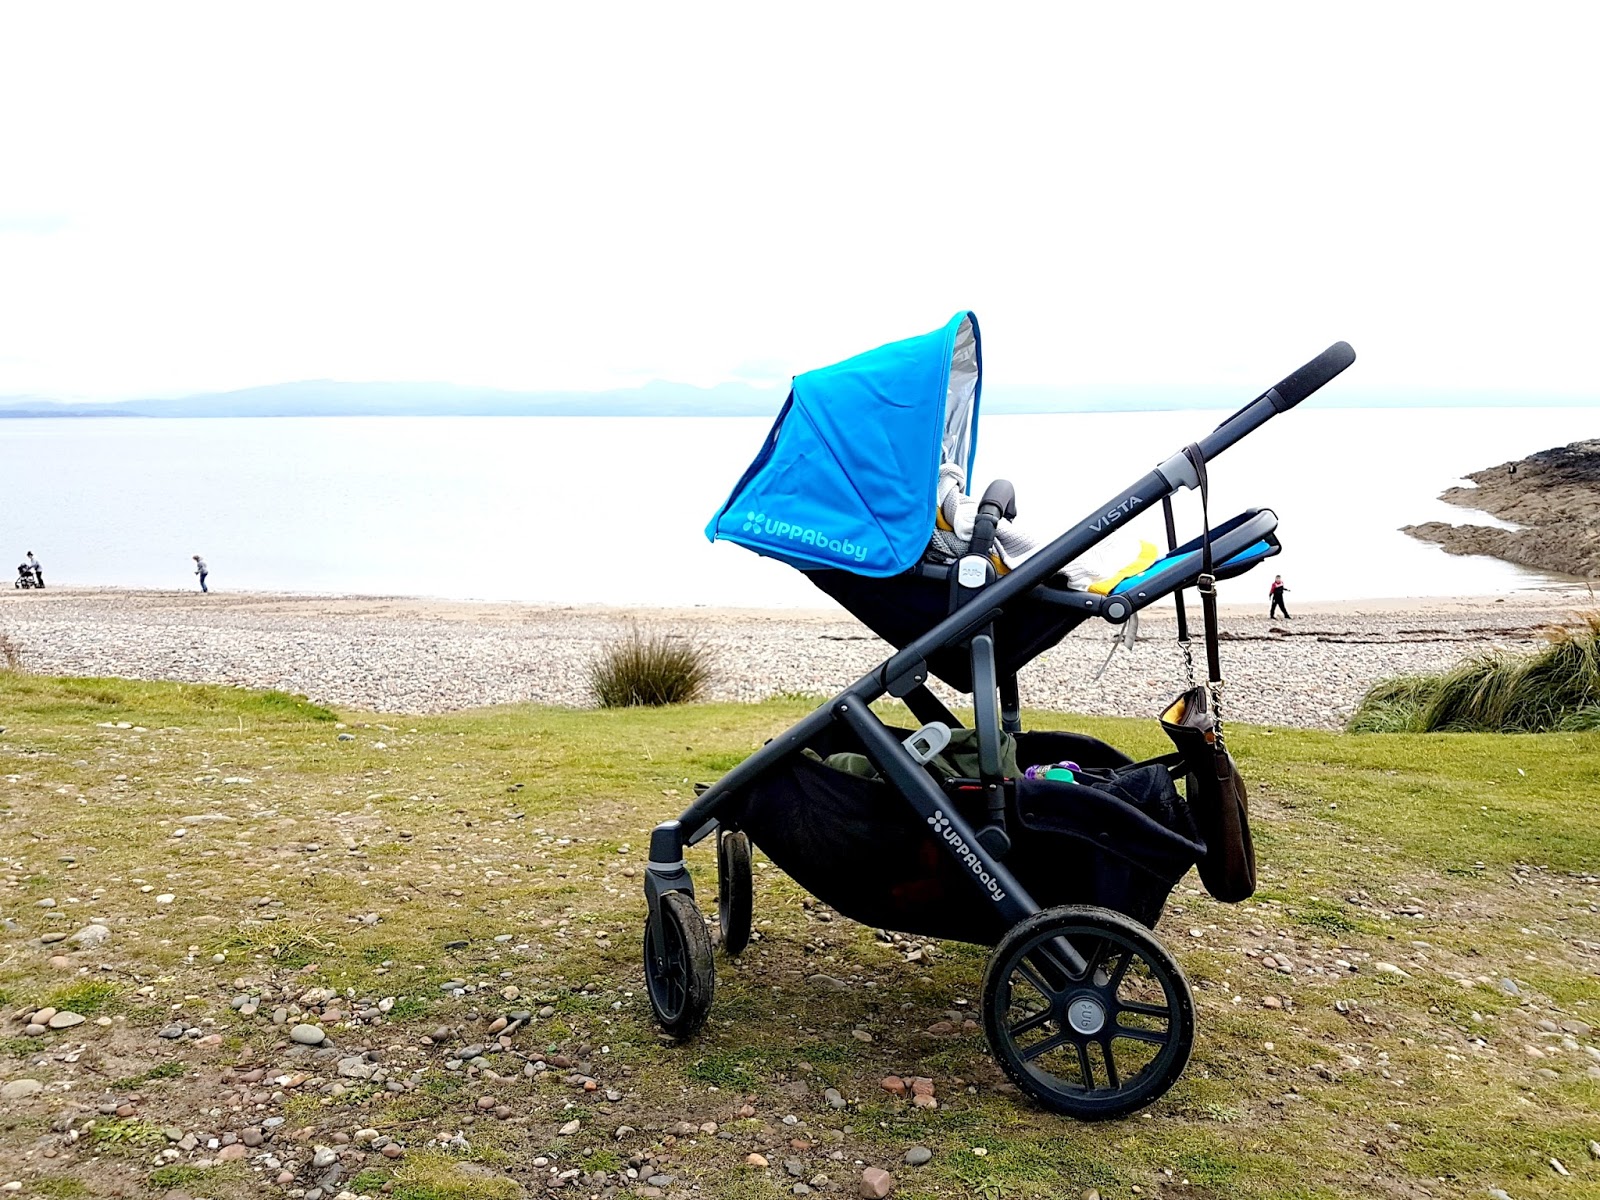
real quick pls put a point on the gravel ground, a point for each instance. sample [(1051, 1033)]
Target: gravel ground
[(420, 656)]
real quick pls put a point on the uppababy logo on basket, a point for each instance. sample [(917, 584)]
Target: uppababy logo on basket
[(760, 523), (942, 827)]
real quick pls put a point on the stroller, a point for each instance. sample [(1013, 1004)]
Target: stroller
[(27, 577), (1062, 872)]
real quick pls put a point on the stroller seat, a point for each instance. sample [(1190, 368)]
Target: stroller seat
[(1062, 868)]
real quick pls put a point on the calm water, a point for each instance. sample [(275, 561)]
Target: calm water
[(610, 510)]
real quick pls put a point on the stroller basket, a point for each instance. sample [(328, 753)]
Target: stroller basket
[(850, 842)]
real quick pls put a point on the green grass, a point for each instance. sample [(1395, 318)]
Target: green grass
[(1553, 689), (1452, 856)]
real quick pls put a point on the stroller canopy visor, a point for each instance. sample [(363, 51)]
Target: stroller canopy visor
[(848, 476)]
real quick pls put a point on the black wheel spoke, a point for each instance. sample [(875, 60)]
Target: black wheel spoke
[(1123, 963), (1112, 1080), (1029, 1024), (1031, 974), (1053, 1042), (1156, 1037), (1085, 1065), (1146, 1010)]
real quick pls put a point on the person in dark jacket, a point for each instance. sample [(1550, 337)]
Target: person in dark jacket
[(1276, 591), (200, 570)]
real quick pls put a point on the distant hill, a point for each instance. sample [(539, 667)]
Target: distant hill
[(332, 398)]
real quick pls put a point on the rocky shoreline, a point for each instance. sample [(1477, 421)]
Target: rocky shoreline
[(1553, 498), (420, 656)]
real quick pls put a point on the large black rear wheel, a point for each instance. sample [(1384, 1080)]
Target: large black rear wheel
[(679, 973), (1096, 1041), (735, 891)]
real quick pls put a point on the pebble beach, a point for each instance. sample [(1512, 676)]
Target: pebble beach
[(400, 655)]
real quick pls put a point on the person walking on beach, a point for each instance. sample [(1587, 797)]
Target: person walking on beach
[(1276, 591), (201, 570), (38, 570)]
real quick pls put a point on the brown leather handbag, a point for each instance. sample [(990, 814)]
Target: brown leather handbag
[(1212, 784)]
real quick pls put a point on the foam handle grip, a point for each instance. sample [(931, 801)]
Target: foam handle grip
[(1296, 387)]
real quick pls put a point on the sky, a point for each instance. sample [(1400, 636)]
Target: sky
[(550, 196)]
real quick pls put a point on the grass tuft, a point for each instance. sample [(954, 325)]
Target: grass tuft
[(649, 670), (10, 653), (434, 1176), (1555, 689)]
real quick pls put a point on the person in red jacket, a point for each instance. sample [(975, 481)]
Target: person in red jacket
[(1276, 591)]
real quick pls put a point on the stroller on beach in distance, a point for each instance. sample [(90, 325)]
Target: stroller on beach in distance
[(1062, 868), (27, 577)]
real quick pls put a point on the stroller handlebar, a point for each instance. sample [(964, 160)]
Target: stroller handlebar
[(1320, 370)]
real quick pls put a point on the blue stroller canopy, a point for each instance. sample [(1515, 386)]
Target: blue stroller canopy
[(848, 476)]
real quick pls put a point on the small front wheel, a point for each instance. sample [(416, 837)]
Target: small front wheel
[(735, 891), (679, 973), (1097, 1039)]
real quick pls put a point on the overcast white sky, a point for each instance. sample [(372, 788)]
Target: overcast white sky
[(210, 196)]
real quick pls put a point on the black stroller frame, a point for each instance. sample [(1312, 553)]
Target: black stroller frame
[(1065, 971)]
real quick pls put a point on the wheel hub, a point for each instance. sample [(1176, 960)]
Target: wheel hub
[(1086, 1015)]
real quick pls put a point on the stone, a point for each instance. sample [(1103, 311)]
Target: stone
[(833, 1097), (861, 1035), (918, 1155), (165, 898), (756, 1160), (570, 1128), (392, 1150), (21, 1089), (894, 1085), (1509, 987), (325, 1156), (252, 1137), (175, 1030), (1384, 968), (876, 1183), (307, 1035), (232, 1153), (91, 936), (66, 1020), (828, 982)]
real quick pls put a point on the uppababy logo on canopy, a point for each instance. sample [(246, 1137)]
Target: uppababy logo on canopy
[(759, 523), (941, 826)]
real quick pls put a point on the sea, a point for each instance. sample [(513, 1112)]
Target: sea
[(612, 510)]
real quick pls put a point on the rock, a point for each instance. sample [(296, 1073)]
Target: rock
[(1271, 1002), (876, 1183), (1509, 987), (833, 1097), (175, 1030), (307, 1035), (828, 983), (570, 1128), (392, 1150), (918, 1155), (347, 737), (1091, 1194), (755, 1160), (861, 1035), (894, 1085), (232, 1153), (1594, 1150), (43, 1016), (66, 1020), (1385, 968), (252, 1137), (325, 1156), (165, 898), (21, 1089), (547, 1011)]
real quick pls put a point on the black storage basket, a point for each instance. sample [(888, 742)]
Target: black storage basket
[(857, 844)]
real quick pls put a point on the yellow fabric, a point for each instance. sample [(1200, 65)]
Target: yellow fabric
[(1147, 556)]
